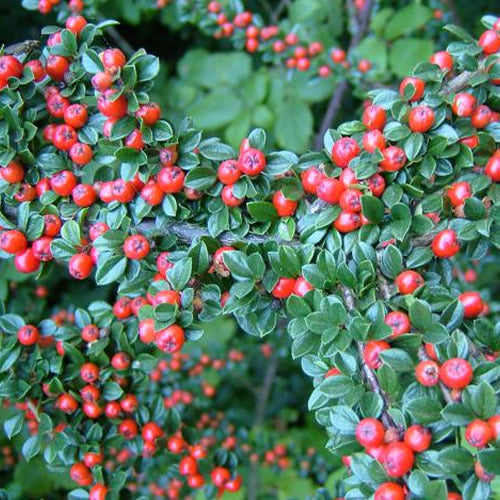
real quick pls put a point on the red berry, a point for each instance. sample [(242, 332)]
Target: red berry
[(150, 113), (418, 438), (371, 353), (63, 182), (482, 474), (134, 140), (56, 105), (421, 118), (89, 372), (459, 192), (81, 154), (228, 172), (456, 373), (338, 55), (136, 247), (98, 492), (67, 403), (128, 428), (283, 288), (64, 137), (122, 191), (408, 281), (220, 476), (13, 241), (10, 67), (374, 117), (394, 159), (110, 106), (302, 286), (445, 244), (80, 474), (329, 189), (171, 179), (347, 222), (84, 195), (463, 104), (399, 459), (427, 373), (418, 86), (170, 339), (344, 150), (90, 333), (92, 459), (80, 266), (152, 194), (478, 433), (196, 481), (120, 361), (372, 140), (102, 81), (364, 65), (399, 323), (252, 161), (26, 261), (350, 200), (188, 466), (389, 491), (376, 183), (481, 116), (284, 206), (472, 303), (12, 173), (234, 485), (442, 59), (56, 67), (41, 248), (228, 197), (113, 59), (310, 179), (493, 169), (122, 308), (175, 444), (76, 115), (370, 432), (490, 42), (28, 335)]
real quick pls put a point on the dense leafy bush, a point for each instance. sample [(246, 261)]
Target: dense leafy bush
[(373, 260)]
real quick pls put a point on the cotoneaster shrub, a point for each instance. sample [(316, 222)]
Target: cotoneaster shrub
[(367, 252)]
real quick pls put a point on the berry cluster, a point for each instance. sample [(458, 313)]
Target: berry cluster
[(187, 229)]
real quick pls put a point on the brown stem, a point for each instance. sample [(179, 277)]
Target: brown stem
[(368, 373), (188, 233), (284, 4), (462, 81), (118, 38), (22, 48), (260, 413), (362, 24)]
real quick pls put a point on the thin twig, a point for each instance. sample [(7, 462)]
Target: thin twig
[(284, 4), (260, 413), (188, 233), (269, 10), (368, 373), (118, 38), (462, 81), (362, 24), (22, 48)]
